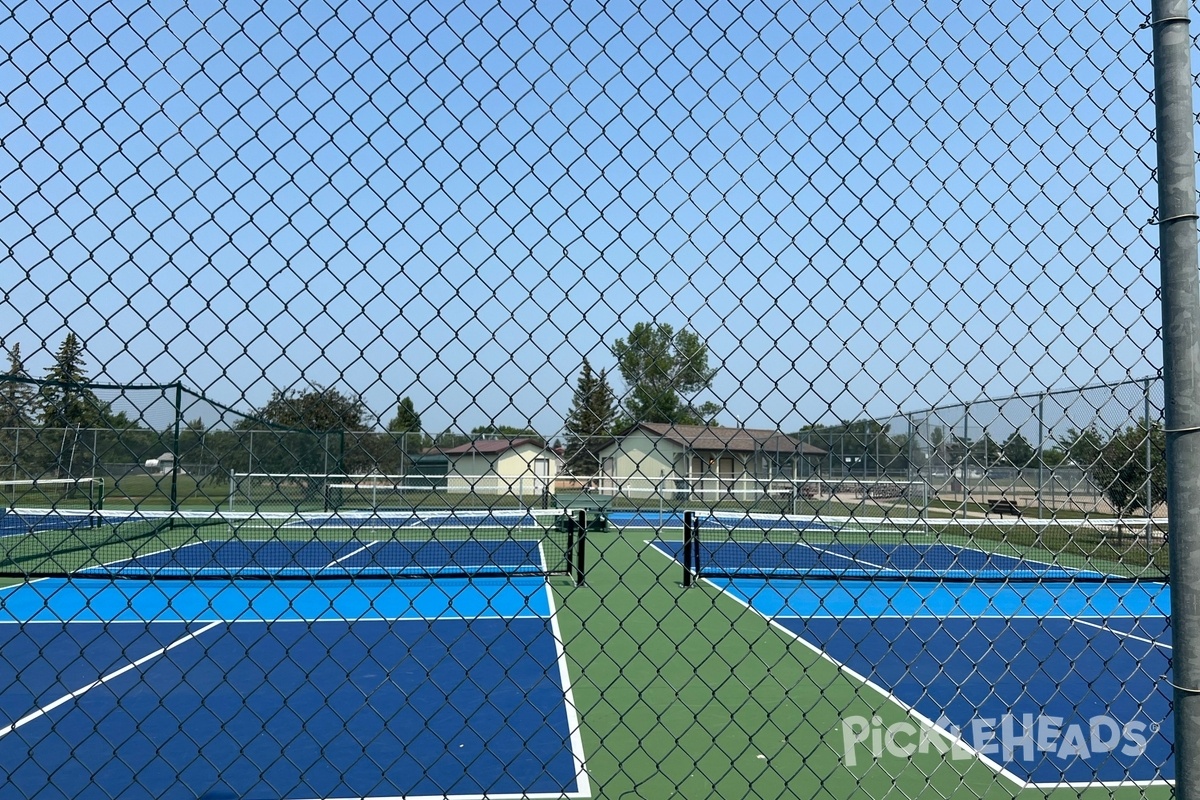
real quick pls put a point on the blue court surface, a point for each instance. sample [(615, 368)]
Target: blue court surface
[(295, 689), (1052, 684), (317, 558)]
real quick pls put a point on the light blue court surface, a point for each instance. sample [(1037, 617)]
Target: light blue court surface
[(294, 689), (1051, 683), (850, 598), (124, 600)]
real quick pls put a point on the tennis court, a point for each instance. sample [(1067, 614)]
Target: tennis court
[(427, 654), (120, 683), (52, 542), (1052, 675)]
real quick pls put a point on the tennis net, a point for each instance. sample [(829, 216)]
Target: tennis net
[(782, 546), (385, 494), (262, 545), (80, 494)]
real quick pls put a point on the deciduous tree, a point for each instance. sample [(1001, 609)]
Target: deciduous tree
[(662, 369), (1132, 468), (314, 409)]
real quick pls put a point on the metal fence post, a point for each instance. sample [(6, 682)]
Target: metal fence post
[(175, 438), (1041, 452), (1148, 456), (1181, 367)]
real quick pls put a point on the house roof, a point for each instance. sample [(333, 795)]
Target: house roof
[(707, 437), (491, 446)]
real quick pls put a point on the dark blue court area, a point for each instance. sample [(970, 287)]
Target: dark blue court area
[(1051, 683), (798, 559), (317, 558), (1049, 701), (293, 689)]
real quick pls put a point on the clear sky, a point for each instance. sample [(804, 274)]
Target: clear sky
[(862, 207)]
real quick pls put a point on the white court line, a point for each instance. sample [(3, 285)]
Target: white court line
[(366, 546), (583, 786), (955, 739), (1022, 559), (582, 780), (952, 738), (851, 559), (44, 710), (1123, 634)]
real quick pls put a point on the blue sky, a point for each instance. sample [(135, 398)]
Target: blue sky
[(862, 209)]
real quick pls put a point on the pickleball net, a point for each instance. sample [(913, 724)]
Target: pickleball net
[(39, 543), (739, 545), (56, 494)]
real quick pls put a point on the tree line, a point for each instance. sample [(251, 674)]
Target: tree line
[(663, 370), (61, 401), (1128, 464)]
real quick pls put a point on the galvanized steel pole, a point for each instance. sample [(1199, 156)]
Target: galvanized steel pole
[(1175, 121)]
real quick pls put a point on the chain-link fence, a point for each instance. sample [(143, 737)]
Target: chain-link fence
[(613, 400)]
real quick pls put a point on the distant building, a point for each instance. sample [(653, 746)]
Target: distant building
[(705, 460), (522, 466), (162, 465)]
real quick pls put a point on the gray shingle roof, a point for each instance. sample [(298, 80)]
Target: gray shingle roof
[(707, 437), (491, 446)]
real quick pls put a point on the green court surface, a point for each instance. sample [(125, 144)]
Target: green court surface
[(688, 693)]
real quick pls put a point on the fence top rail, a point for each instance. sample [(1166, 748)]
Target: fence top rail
[(1041, 393)]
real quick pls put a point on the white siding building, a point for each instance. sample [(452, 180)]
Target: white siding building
[(523, 466), (704, 461)]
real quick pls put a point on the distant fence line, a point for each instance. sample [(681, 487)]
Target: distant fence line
[(1018, 447)]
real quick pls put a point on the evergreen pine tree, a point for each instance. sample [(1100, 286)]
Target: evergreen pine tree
[(16, 396), (17, 411), (407, 421), (589, 423), (66, 403)]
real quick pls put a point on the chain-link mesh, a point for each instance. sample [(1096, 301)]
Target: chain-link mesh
[(643, 400)]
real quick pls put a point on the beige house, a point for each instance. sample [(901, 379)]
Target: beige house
[(522, 466), (705, 461)]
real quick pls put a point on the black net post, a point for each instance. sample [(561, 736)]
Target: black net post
[(696, 545), (689, 544), (581, 523), (568, 523)]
